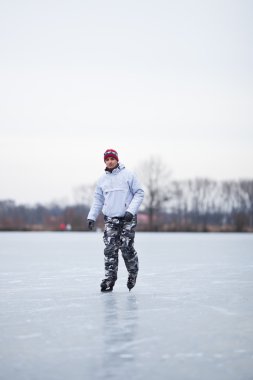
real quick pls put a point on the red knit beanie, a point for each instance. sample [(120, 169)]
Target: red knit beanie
[(111, 153)]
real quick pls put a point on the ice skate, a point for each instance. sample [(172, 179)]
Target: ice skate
[(107, 285), (131, 281)]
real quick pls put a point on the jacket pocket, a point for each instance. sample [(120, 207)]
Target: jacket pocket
[(115, 201)]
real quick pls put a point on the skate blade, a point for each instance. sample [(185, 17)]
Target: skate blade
[(107, 290)]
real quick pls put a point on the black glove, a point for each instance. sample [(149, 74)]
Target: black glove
[(128, 216), (91, 224)]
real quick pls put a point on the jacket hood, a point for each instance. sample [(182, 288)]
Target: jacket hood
[(117, 169)]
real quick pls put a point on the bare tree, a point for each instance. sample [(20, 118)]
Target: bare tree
[(247, 187), (178, 203), (202, 193), (236, 201), (155, 177)]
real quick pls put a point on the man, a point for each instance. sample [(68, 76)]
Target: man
[(119, 195)]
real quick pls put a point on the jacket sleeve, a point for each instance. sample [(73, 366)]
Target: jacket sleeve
[(97, 205), (138, 196)]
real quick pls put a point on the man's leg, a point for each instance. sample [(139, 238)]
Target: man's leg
[(111, 240), (128, 252)]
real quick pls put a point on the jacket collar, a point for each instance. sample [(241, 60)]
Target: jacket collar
[(116, 170)]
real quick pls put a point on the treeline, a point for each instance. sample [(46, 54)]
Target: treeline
[(15, 217), (206, 205), (193, 205)]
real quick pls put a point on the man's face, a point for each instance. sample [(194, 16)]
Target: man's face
[(111, 163)]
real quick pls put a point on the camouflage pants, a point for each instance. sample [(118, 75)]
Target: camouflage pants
[(119, 234)]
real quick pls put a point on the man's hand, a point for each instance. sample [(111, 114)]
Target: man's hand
[(91, 224), (128, 216)]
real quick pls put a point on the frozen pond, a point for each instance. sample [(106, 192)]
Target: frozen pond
[(190, 315)]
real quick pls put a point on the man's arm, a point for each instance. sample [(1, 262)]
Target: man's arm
[(138, 195), (97, 205)]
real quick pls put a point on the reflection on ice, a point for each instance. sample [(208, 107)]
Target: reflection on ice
[(119, 337)]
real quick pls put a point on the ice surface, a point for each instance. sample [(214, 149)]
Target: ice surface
[(190, 315)]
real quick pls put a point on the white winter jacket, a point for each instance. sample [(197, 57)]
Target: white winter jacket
[(116, 192)]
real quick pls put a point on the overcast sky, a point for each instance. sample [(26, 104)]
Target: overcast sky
[(168, 78)]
